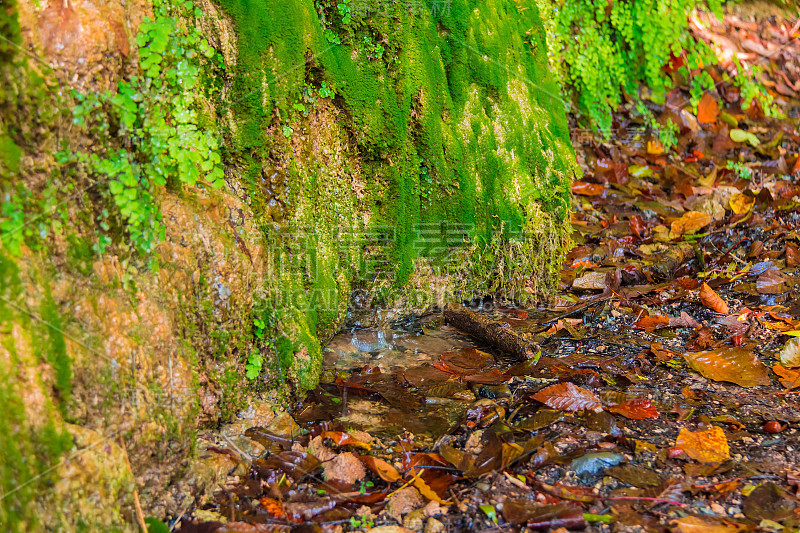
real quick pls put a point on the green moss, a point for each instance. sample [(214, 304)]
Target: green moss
[(456, 128), (28, 448)]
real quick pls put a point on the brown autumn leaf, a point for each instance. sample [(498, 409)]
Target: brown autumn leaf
[(384, 470), (711, 299), (771, 281), (708, 446), (689, 222), (587, 189), (792, 256), (734, 364), (635, 409), (567, 397), (789, 377), (683, 321), (707, 109)]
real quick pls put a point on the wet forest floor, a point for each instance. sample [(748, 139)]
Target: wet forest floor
[(667, 393)]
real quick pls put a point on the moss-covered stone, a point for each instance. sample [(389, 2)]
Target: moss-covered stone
[(444, 158)]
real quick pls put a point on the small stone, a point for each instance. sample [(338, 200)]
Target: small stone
[(433, 526)]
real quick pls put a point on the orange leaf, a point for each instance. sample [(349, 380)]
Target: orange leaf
[(689, 222), (655, 147), (711, 299), (652, 323), (567, 397), (709, 446), (789, 377), (343, 439), (635, 409), (707, 110), (273, 507), (384, 470), (734, 364), (587, 189)]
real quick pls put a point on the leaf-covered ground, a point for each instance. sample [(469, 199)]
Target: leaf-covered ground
[(667, 396)]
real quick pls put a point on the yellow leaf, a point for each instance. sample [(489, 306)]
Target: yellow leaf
[(655, 147), (428, 492), (741, 203), (709, 446)]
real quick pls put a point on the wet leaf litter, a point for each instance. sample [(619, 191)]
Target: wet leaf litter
[(659, 390)]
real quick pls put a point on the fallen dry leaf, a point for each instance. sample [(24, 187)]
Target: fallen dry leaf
[(733, 364), (384, 470), (590, 281), (790, 355), (683, 321), (345, 467), (708, 446), (711, 299), (792, 256), (697, 524), (689, 222), (707, 109), (343, 439), (567, 397), (741, 203), (771, 282), (789, 377), (652, 323)]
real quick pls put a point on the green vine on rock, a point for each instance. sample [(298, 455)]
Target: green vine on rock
[(152, 130)]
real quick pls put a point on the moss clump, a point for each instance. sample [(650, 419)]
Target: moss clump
[(456, 155), (31, 441)]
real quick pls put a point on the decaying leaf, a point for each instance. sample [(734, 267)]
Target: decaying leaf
[(772, 281), (567, 397), (590, 281), (690, 222), (790, 355), (708, 446), (711, 299), (734, 364)]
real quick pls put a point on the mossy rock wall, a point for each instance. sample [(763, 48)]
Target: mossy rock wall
[(395, 159), (417, 154)]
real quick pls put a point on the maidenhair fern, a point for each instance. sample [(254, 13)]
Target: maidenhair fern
[(150, 128), (607, 49)]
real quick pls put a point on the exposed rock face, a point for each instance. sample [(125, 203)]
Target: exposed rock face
[(409, 131)]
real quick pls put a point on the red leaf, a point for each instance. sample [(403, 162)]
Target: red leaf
[(567, 397), (635, 409)]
